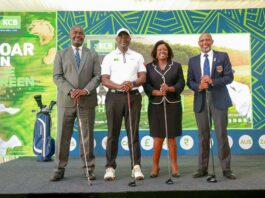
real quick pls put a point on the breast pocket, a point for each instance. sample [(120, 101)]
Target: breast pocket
[(219, 69)]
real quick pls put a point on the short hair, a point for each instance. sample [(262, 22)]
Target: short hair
[(76, 26), (154, 50), (204, 34)]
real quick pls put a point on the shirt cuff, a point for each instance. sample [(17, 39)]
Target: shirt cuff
[(87, 91), (71, 91)]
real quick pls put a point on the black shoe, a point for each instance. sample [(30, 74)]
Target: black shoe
[(200, 173), (57, 175), (229, 174), (91, 174)]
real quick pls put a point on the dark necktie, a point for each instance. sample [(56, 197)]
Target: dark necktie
[(77, 57), (206, 66)]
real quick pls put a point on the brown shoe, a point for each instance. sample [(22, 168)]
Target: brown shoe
[(200, 173), (229, 174), (57, 175)]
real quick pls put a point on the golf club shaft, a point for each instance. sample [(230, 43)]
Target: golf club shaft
[(82, 140), (130, 123), (210, 128), (166, 129)]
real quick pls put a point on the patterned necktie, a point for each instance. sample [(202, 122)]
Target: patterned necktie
[(206, 66), (77, 57)]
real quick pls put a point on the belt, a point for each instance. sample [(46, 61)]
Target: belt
[(123, 92)]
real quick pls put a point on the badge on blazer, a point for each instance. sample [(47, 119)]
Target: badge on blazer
[(219, 68)]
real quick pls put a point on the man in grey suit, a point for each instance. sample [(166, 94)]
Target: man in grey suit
[(208, 75), (76, 74)]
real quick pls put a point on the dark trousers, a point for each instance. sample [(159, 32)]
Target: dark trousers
[(116, 109), (220, 118)]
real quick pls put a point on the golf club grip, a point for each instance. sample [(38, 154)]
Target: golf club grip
[(38, 100), (52, 103)]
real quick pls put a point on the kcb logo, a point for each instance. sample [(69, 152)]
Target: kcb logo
[(10, 22)]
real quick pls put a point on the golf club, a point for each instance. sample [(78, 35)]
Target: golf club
[(132, 183), (210, 178), (39, 101), (52, 103), (82, 139), (169, 181)]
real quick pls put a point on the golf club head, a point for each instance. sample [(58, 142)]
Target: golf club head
[(39, 101), (211, 179), (169, 181), (89, 183), (132, 184), (52, 103)]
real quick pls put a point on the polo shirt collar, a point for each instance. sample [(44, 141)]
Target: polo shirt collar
[(119, 52)]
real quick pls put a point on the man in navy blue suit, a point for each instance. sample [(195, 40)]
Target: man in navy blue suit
[(208, 75)]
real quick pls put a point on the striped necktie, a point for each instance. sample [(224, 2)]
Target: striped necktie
[(77, 57), (206, 66)]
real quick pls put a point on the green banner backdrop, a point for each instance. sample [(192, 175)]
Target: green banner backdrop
[(27, 51)]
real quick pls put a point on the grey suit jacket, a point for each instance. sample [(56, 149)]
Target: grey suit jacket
[(67, 76)]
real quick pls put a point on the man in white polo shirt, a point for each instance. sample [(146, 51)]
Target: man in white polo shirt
[(123, 71)]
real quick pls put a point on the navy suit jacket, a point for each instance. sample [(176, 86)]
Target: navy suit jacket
[(221, 75)]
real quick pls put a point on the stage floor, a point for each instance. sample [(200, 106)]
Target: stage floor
[(26, 176)]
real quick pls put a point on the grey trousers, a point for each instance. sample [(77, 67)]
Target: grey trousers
[(220, 119), (66, 119)]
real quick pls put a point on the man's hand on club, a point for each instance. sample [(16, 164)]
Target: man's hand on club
[(205, 82), (207, 79), (127, 86), (76, 94)]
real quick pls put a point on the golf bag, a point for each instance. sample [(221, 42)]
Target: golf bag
[(43, 143)]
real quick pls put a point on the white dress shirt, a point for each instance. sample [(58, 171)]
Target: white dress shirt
[(210, 57)]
